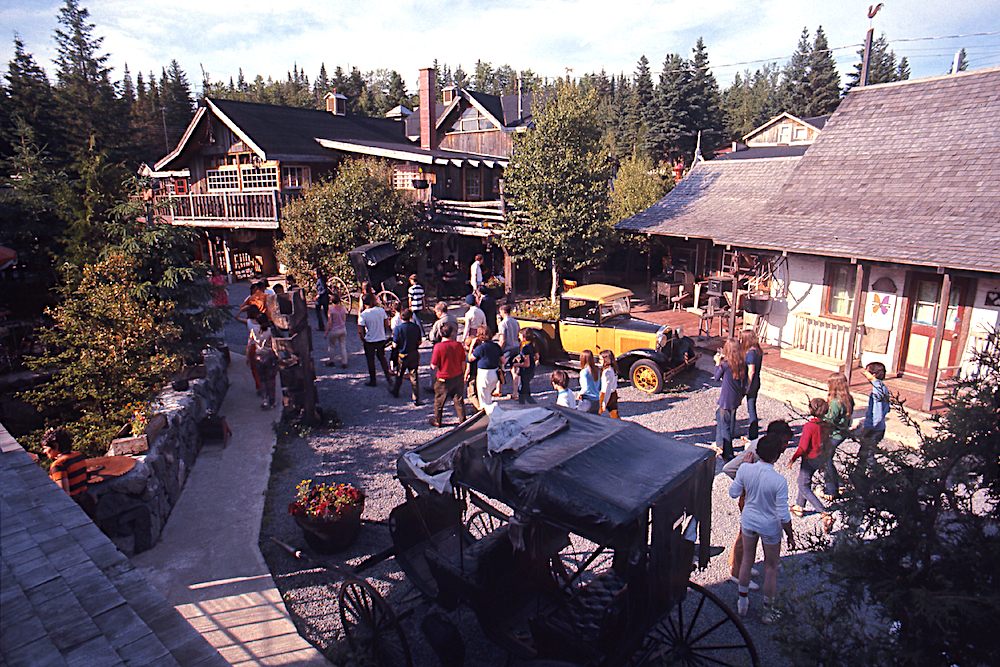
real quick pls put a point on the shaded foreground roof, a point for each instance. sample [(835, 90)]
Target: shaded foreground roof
[(712, 195), (902, 172), (67, 595)]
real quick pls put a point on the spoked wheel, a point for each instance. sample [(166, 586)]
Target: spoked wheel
[(700, 630), (371, 626), (335, 284), (387, 300), (646, 376), (481, 524)]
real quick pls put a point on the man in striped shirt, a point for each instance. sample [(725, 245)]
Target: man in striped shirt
[(69, 468), (416, 294)]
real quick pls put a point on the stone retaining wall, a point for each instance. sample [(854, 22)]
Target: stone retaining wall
[(132, 509)]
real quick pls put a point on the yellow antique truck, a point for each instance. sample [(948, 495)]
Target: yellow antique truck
[(598, 317)]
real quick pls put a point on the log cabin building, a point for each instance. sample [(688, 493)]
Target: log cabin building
[(880, 242), (238, 163)]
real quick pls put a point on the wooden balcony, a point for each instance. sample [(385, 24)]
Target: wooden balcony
[(819, 342), (474, 211), (247, 210)]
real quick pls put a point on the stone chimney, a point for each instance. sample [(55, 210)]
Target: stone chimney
[(448, 93), (336, 103), (428, 109)]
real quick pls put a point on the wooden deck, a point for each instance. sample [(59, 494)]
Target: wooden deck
[(910, 390)]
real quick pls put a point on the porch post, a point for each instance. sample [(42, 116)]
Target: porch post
[(736, 295), (932, 363), (228, 255), (860, 295), (508, 275)]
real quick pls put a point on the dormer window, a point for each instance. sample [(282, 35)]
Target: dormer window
[(473, 120)]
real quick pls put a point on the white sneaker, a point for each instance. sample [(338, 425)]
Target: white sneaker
[(736, 580), (743, 605)]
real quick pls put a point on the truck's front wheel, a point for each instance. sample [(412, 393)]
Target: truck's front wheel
[(646, 376)]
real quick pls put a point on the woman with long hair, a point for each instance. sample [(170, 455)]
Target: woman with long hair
[(753, 356), (589, 397), (525, 362), (731, 368), (838, 418), (609, 385), (487, 356)]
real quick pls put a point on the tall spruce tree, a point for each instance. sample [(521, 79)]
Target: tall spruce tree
[(703, 100), (176, 98), (823, 79), (795, 78), (30, 99), (669, 118), (751, 101)]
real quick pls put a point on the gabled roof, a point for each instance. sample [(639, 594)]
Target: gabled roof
[(277, 132), (902, 172), (711, 196), (817, 122)]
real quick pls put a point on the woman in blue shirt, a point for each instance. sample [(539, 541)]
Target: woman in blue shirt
[(731, 368), (589, 397), (753, 356), (487, 355), (526, 360)]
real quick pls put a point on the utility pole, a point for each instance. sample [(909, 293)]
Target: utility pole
[(163, 114), (866, 56)]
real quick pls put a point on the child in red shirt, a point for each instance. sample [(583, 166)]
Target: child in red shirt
[(811, 445)]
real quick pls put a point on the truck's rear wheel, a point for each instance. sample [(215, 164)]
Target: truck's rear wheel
[(646, 376)]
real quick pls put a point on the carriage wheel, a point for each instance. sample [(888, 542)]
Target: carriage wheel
[(371, 626), (387, 300), (699, 630), (335, 284), (480, 524)]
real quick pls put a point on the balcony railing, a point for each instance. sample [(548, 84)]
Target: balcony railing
[(827, 338), (225, 209), (478, 211)]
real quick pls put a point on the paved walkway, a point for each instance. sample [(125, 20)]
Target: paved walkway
[(207, 562)]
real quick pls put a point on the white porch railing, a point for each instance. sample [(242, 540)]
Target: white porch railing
[(226, 207), (488, 211), (827, 338)]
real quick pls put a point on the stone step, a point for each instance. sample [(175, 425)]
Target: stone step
[(831, 364)]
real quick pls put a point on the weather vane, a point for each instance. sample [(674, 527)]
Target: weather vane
[(872, 11)]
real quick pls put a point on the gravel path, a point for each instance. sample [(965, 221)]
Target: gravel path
[(376, 429)]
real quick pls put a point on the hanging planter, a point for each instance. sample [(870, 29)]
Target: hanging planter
[(329, 515)]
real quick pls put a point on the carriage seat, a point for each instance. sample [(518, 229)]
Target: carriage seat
[(588, 619), (467, 568)]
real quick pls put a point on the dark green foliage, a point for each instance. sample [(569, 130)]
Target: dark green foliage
[(882, 65), (30, 100), (557, 185), (751, 101), (823, 79), (795, 78), (912, 577), (668, 117), (703, 101), (332, 217), (175, 96)]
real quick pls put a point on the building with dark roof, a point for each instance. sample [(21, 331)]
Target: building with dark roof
[(238, 163), (887, 226)]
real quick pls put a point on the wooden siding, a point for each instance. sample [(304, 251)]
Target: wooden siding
[(772, 135), (487, 142)]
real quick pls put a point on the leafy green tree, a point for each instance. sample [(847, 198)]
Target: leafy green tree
[(795, 92), (823, 79), (111, 350), (911, 577), (636, 187), (557, 185), (882, 65), (358, 206)]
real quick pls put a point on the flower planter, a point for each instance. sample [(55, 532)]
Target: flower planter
[(330, 537), (125, 443)]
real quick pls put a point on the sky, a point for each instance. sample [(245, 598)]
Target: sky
[(546, 36)]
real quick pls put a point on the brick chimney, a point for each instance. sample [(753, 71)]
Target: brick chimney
[(428, 109)]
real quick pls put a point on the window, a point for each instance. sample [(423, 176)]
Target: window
[(925, 310), (294, 177), (472, 185), (800, 133), (784, 133), (580, 310), (472, 120), (840, 282), (403, 176), (180, 185), (259, 178), (223, 179), (619, 306)]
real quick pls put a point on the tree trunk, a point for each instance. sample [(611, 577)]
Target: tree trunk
[(554, 295)]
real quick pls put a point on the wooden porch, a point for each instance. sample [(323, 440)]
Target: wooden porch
[(260, 210)]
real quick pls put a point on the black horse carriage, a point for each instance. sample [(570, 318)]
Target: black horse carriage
[(374, 263), (570, 536)]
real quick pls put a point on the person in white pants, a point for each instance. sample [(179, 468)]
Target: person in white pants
[(487, 356)]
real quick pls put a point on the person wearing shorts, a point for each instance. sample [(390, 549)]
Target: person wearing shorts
[(765, 516)]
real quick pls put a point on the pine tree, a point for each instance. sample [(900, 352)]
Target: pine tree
[(460, 78), (823, 79), (176, 98), (751, 101), (30, 98), (669, 118), (795, 78), (482, 77), (643, 85), (128, 90), (397, 91), (321, 86), (703, 100)]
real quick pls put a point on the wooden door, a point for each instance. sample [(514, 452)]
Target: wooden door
[(925, 306)]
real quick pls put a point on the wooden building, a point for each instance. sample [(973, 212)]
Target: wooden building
[(881, 242), (238, 163)]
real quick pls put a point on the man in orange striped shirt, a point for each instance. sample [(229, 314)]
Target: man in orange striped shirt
[(69, 468)]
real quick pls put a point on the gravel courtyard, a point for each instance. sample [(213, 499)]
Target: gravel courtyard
[(376, 429)]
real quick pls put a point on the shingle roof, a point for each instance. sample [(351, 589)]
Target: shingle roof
[(903, 172), (711, 196), (68, 596), (292, 130), (753, 152)]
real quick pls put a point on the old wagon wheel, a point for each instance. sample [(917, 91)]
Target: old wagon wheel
[(335, 284), (700, 630), (388, 300), (371, 626), (480, 524)]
